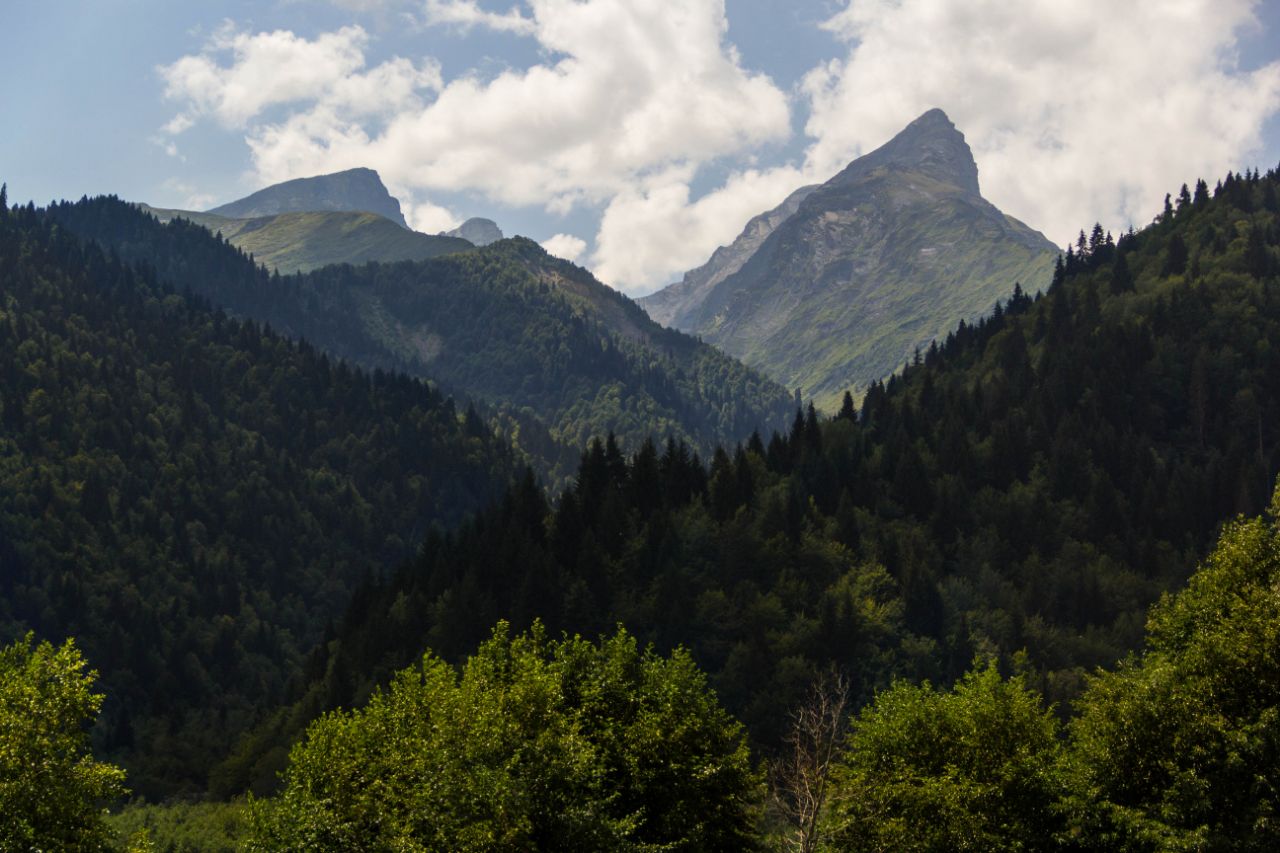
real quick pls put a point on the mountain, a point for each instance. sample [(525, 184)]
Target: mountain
[(838, 287), (561, 356), (677, 305), (194, 497), (1025, 492), (300, 242), (477, 231), (354, 189)]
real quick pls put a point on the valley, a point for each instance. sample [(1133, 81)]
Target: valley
[(590, 426)]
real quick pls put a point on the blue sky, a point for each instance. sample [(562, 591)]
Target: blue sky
[(633, 135)]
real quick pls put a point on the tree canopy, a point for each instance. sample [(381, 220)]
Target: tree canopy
[(51, 788), (1179, 748), (535, 744)]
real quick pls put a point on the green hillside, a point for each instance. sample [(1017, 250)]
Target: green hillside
[(560, 356), (299, 242), (1032, 486), (194, 497)]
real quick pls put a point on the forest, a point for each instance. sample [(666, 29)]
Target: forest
[(194, 497), (1032, 484), (988, 565), (544, 744), (549, 353)]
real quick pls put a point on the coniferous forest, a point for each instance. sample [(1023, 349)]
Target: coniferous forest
[(1021, 595), (552, 355)]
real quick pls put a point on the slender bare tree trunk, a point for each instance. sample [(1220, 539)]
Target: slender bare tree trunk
[(799, 777)]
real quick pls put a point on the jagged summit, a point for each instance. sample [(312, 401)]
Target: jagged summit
[(931, 144), (354, 189), (842, 282)]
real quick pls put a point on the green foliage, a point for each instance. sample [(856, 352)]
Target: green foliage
[(535, 745), (976, 768), (194, 497), (1179, 749), (180, 827), (50, 785)]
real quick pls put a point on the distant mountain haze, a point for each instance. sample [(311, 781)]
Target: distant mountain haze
[(478, 231), (355, 189), (841, 283)]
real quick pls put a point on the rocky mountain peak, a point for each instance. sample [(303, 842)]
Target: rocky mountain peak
[(930, 144), (479, 231), (354, 189)]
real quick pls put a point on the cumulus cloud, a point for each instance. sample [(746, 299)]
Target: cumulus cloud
[(1076, 112), (628, 90), (467, 13), (653, 232), (427, 217), (565, 246), (324, 75)]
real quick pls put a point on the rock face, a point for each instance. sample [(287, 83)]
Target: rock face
[(480, 232), (352, 190), (676, 305), (841, 283)]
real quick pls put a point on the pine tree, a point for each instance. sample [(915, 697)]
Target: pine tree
[(1121, 278), (847, 410), (1176, 258)]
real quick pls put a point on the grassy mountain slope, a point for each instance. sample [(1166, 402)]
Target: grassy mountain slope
[(300, 242), (508, 324), (882, 259), (1034, 484), (193, 497)]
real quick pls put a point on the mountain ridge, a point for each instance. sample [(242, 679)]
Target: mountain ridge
[(874, 263), (561, 356), (358, 189), (301, 241)]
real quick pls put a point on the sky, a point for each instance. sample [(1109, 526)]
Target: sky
[(633, 136)]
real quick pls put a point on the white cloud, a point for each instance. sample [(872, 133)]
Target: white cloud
[(192, 199), (565, 246), (427, 217), (1076, 112), (651, 234), (276, 68), (467, 13), (628, 90)]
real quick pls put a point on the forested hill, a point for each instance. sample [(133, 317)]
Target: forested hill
[(533, 335), (193, 497), (1035, 482)]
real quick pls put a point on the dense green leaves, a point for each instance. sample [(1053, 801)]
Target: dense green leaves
[(536, 745), (51, 788), (976, 768), (1180, 748), (1176, 749)]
